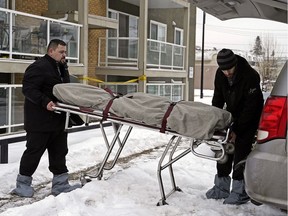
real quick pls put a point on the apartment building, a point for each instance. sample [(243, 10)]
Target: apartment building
[(126, 45)]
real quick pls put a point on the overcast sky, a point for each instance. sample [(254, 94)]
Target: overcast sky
[(240, 33)]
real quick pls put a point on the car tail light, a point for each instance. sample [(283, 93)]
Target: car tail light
[(273, 121)]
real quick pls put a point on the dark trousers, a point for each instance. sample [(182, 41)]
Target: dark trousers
[(37, 143), (243, 147)]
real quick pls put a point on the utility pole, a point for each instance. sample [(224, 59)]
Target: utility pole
[(202, 58)]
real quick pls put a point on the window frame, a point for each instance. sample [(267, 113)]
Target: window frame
[(117, 15), (156, 48), (181, 39)]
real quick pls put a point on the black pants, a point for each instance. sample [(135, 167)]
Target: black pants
[(37, 143), (243, 147)]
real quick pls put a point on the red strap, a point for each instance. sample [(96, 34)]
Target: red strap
[(107, 108), (110, 92), (164, 120)]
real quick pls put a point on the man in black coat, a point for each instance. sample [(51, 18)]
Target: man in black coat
[(237, 88), (44, 127)]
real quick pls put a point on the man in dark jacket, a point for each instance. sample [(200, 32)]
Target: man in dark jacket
[(237, 87), (44, 127)]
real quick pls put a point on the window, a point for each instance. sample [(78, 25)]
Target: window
[(122, 42), (178, 39), (4, 3), (113, 15), (4, 27), (122, 88), (158, 31), (174, 92), (178, 36)]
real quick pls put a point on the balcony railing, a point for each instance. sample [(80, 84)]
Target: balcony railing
[(119, 51), (162, 55), (26, 36), (123, 52), (11, 108)]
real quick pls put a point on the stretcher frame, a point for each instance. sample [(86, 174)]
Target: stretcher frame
[(169, 151)]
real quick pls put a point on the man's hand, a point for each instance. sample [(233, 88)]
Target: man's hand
[(50, 106)]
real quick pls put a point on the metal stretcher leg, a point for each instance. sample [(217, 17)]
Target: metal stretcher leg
[(174, 139), (110, 146), (117, 127), (218, 144)]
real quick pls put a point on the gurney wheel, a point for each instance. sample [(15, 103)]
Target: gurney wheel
[(229, 148), (218, 154)]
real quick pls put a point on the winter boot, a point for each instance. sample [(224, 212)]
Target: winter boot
[(238, 194), (221, 188), (23, 186), (60, 184)]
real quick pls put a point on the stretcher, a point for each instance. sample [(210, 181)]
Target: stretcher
[(218, 143)]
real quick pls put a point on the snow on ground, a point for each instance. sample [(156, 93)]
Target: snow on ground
[(130, 188)]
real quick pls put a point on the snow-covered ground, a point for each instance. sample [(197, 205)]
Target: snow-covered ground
[(130, 188)]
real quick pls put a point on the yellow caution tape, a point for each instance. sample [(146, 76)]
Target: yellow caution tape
[(141, 78), (91, 79)]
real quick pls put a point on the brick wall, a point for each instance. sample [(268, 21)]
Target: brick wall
[(96, 7), (36, 7)]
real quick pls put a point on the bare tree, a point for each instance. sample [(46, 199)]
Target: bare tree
[(267, 62)]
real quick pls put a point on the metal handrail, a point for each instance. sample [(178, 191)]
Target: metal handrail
[(37, 16), (9, 26), (106, 59), (7, 107)]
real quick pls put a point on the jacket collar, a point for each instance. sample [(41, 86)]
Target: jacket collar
[(51, 60)]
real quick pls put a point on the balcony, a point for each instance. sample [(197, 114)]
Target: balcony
[(11, 108), (162, 55), (25, 36), (123, 52), (118, 52)]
